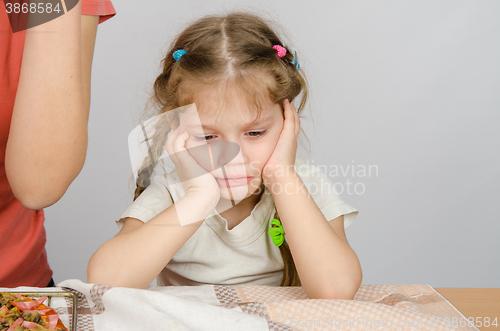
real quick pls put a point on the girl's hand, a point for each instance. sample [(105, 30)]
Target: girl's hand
[(194, 178), (282, 160)]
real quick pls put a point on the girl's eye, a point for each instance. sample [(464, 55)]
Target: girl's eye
[(253, 134), (205, 138), (256, 133)]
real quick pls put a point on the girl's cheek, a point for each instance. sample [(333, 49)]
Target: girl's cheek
[(263, 150)]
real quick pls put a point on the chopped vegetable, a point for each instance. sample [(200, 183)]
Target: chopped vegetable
[(19, 313)]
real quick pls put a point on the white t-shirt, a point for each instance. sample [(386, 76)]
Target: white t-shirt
[(244, 255)]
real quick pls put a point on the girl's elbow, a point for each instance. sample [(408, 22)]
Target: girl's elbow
[(92, 276), (337, 293), (99, 271), (345, 290), (97, 274), (349, 288), (102, 271)]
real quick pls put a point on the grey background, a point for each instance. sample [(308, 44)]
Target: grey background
[(409, 87)]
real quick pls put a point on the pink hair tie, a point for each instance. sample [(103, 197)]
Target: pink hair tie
[(280, 50)]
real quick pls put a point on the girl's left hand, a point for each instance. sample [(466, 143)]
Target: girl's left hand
[(282, 160)]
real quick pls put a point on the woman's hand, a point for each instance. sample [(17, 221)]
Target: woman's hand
[(282, 160), (194, 178)]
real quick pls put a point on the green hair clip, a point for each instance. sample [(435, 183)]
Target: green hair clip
[(277, 233)]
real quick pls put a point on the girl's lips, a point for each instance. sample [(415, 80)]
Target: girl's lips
[(234, 181)]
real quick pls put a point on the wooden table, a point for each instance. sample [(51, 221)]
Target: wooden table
[(476, 303)]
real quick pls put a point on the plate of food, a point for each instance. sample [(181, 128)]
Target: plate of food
[(34, 311)]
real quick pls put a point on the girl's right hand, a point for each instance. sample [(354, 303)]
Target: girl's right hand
[(194, 178)]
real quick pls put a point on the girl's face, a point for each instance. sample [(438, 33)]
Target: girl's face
[(239, 124)]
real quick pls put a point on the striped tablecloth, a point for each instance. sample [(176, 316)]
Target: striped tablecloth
[(255, 308)]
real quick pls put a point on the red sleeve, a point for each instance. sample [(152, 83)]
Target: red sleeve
[(102, 8)]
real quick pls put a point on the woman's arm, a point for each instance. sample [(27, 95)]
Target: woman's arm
[(327, 266), (48, 134), (89, 32), (138, 253)]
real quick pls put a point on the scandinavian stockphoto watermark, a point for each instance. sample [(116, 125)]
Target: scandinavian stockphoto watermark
[(363, 322), (340, 174), (150, 156), (326, 179), (26, 14)]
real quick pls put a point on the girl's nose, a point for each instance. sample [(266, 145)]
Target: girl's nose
[(232, 151), (220, 153), (238, 159)]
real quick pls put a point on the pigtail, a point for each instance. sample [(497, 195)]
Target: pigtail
[(165, 97), (290, 274), (155, 150)]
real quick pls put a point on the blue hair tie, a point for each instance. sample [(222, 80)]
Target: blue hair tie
[(295, 61), (178, 54)]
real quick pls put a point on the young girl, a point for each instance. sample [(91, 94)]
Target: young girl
[(239, 80)]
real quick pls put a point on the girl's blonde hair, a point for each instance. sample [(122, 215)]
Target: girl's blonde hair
[(232, 52)]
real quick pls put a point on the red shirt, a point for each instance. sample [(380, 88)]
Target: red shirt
[(23, 259)]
